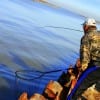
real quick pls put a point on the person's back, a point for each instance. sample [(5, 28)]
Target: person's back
[(95, 48), (92, 39)]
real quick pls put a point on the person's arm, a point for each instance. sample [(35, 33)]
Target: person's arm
[(68, 83), (84, 52), (73, 83)]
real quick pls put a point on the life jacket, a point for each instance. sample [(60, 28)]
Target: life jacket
[(23, 96), (37, 96), (53, 89)]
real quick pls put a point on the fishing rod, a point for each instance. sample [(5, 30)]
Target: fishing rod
[(63, 28)]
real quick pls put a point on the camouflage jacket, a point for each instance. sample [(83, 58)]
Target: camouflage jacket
[(90, 49)]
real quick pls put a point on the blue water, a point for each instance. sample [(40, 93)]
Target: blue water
[(28, 44)]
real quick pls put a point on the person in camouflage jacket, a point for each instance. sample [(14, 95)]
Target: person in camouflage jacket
[(90, 45), (90, 60)]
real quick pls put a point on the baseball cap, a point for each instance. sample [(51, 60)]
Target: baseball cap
[(90, 22)]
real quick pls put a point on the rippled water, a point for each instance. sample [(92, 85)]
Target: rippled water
[(26, 43)]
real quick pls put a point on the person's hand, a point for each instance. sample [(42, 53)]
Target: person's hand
[(84, 67), (68, 84)]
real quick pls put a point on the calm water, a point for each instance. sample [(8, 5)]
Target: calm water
[(28, 44)]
